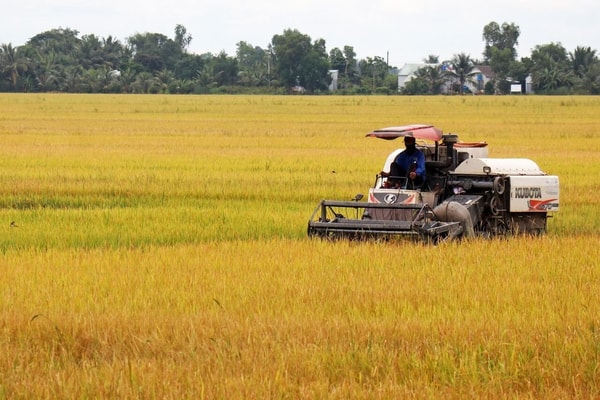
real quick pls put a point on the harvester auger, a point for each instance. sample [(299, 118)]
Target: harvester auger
[(465, 194)]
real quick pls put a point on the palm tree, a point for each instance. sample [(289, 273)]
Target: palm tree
[(127, 80), (549, 74), (46, 70), (113, 51), (183, 86), (145, 83), (581, 59), (12, 63), (432, 59), (164, 79), (88, 52), (432, 75), (204, 77), (551, 70), (254, 75), (462, 68), (71, 79), (591, 80)]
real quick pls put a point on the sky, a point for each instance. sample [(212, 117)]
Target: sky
[(399, 31)]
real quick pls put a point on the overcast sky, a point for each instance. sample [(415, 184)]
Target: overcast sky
[(401, 30)]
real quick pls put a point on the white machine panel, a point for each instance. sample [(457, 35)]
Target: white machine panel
[(498, 166), (534, 193)]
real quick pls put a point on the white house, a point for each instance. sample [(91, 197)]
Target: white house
[(407, 72), (480, 76)]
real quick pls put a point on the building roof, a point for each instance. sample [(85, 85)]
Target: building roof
[(407, 72), (409, 69), (485, 70)]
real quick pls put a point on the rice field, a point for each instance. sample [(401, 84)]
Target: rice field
[(155, 247)]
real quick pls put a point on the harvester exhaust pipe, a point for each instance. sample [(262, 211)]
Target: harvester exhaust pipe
[(450, 211), (449, 141)]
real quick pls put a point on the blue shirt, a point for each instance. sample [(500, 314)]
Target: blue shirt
[(407, 158)]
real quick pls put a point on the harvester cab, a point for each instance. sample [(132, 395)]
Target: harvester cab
[(464, 193)]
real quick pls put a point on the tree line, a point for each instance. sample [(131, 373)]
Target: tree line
[(550, 68), (59, 60)]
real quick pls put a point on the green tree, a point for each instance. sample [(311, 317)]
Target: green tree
[(145, 83), (351, 63), (500, 37), (63, 42), (432, 59), (253, 64), (500, 51), (373, 73), (183, 86), (586, 69), (164, 80), (581, 59), (217, 71), (71, 79), (551, 70), (98, 53), (224, 69), (416, 86), (115, 54), (155, 51), (55, 58), (205, 79), (248, 55), (555, 51), (90, 54), (188, 65), (95, 80), (298, 61), (337, 60), (47, 71), (501, 62), (345, 62), (590, 81), (182, 38), (462, 69), (126, 80), (12, 63), (433, 77), (289, 50), (426, 80), (315, 67)]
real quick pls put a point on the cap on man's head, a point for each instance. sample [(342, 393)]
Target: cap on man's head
[(409, 139)]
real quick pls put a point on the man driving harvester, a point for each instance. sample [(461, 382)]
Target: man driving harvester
[(408, 167)]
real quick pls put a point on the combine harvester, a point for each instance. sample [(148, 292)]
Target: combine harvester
[(465, 194)]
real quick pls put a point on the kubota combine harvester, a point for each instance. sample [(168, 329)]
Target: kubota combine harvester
[(465, 193)]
